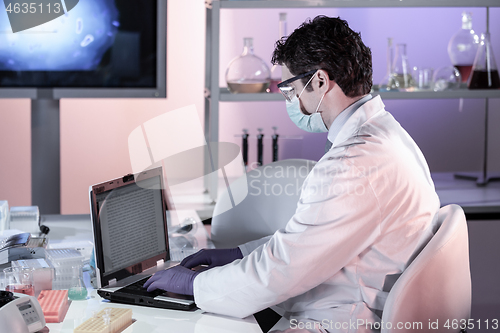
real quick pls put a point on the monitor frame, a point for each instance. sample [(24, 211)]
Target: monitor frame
[(160, 91)]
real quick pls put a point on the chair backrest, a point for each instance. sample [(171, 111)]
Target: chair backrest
[(436, 286), (273, 193)]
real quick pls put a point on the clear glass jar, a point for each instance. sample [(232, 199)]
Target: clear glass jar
[(247, 73), (463, 46)]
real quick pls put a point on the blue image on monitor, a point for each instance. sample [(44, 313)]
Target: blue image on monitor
[(75, 41)]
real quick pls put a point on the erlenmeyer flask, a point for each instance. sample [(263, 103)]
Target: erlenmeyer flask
[(401, 68), (389, 83), (462, 47), (485, 70), (247, 73), (276, 69)]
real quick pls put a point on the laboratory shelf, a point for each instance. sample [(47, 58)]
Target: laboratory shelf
[(235, 4), (226, 96), (214, 94)]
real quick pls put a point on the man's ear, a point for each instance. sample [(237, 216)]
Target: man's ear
[(324, 83)]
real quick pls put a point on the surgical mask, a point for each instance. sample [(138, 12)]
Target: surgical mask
[(313, 123), (310, 123)]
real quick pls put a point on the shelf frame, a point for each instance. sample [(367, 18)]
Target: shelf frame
[(226, 96), (215, 94), (232, 4)]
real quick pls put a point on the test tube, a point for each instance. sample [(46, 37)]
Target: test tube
[(244, 146), (275, 144), (260, 147)]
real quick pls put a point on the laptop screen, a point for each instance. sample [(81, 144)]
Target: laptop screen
[(129, 224)]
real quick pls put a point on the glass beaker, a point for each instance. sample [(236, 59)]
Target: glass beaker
[(423, 78), (485, 71), (462, 47), (247, 73), (19, 280), (401, 69), (276, 69), (389, 83), (77, 291)]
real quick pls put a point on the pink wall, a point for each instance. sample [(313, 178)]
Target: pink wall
[(15, 145), (94, 132)]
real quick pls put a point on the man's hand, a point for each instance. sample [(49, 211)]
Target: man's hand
[(177, 279), (212, 258)]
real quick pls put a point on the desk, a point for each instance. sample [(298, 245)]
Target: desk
[(156, 320), (77, 230)]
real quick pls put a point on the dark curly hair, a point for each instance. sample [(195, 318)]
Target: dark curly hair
[(328, 43)]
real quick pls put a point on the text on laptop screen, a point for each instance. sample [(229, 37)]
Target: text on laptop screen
[(133, 215)]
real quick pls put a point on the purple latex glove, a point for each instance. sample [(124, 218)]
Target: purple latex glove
[(212, 258), (177, 279)]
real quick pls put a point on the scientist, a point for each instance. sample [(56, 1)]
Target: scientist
[(365, 210)]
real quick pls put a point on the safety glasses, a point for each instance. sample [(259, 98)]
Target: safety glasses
[(288, 90)]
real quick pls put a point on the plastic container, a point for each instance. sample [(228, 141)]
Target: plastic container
[(63, 261), (25, 218)]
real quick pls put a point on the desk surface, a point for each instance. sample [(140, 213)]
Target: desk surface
[(156, 320), (76, 230)]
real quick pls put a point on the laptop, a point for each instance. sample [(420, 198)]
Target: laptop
[(129, 226)]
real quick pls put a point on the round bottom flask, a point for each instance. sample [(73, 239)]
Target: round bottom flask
[(247, 73)]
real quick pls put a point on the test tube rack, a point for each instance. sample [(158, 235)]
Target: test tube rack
[(119, 320), (54, 305)]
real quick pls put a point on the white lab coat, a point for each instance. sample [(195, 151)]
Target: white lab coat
[(367, 207)]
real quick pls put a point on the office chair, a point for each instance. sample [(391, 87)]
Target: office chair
[(436, 286), (273, 193)]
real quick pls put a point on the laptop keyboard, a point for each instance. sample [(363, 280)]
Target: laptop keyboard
[(138, 286)]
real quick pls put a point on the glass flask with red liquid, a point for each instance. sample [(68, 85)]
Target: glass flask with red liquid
[(463, 46), (485, 70)]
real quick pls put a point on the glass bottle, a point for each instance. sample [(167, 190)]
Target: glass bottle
[(485, 70), (247, 73), (401, 69), (463, 46), (276, 69), (388, 83), (77, 291)]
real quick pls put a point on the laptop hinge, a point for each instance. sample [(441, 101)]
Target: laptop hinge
[(160, 262), (111, 282)]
